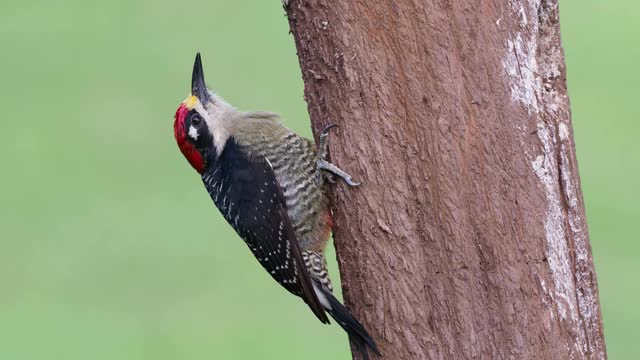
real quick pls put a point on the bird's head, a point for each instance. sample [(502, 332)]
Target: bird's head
[(201, 122)]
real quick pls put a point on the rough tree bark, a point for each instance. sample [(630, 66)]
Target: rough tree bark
[(468, 238)]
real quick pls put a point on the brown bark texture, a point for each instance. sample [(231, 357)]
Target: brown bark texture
[(468, 238)]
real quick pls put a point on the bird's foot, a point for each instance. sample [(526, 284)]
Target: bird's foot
[(330, 170), (334, 170)]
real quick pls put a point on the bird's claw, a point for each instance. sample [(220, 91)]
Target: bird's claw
[(322, 164), (351, 182), (325, 130)]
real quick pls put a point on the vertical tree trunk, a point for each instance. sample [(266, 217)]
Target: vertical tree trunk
[(468, 237)]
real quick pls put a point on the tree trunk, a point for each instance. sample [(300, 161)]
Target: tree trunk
[(468, 237)]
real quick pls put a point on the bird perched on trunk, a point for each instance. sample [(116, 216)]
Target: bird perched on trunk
[(271, 185)]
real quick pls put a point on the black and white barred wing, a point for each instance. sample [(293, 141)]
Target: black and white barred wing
[(246, 192)]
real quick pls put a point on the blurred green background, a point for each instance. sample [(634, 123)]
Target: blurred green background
[(109, 246)]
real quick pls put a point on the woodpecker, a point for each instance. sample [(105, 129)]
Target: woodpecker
[(271, 186)]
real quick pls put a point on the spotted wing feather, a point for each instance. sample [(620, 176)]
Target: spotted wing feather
[(245, 190)]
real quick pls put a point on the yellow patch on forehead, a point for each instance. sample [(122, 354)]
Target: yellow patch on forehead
[(191, 102)]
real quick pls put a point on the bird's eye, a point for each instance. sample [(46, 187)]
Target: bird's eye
[(196, 120)]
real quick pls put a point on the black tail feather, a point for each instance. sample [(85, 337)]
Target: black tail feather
[(356, 331), (362, 346)]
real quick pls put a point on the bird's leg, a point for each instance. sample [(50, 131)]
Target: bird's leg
[(323, 164), (323, 148)]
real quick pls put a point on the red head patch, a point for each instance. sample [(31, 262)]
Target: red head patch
[(186, 146)]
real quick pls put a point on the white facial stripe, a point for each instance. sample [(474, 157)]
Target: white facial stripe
[(193, 133), (213, 116)]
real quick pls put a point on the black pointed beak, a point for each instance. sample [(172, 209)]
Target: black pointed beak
[(198, 87)]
